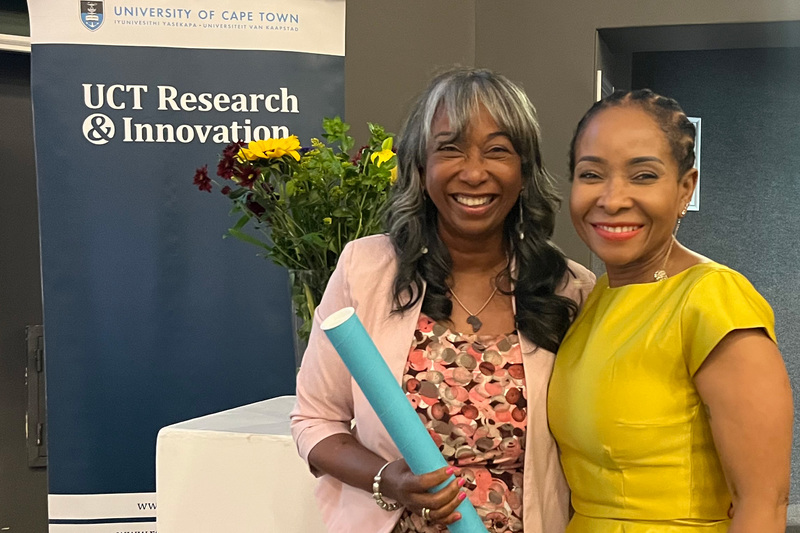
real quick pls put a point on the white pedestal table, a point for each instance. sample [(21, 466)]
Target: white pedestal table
[(235, 471)]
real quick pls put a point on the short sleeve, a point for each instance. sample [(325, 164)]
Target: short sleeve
[(718, 303)]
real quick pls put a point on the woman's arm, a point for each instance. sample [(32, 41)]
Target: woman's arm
[(322, 417), (344, 458), (748, 398)]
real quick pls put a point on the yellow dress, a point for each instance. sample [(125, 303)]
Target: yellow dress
[(635, 442)]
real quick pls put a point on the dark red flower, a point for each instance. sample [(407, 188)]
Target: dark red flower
[(201, 179), (247, 175), (359, 154), (232, 150), (227, 164), (225, 168), (225, 190), (254, 207)]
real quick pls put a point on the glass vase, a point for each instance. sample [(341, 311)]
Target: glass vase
[(306, 287)]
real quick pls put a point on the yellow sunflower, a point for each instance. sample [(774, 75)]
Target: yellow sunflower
[(271, 149)]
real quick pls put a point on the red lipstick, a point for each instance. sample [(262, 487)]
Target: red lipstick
[(617, 231)]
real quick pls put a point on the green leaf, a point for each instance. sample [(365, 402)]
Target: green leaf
[(242, 222), (242, 236), (237, 193), (313, 238)]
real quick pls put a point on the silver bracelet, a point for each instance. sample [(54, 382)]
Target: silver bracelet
[(376, 492)]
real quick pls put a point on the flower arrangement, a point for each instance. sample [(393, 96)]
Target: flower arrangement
[(305, 204)]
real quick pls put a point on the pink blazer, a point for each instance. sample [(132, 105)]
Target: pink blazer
[(329, 401)]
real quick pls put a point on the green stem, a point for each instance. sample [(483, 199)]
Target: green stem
[(309, 300), (360, 215), (289, 258)]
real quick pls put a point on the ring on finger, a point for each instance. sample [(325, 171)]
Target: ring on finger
[(426, 514)]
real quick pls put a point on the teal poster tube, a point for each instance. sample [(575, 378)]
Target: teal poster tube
[(389, 402)]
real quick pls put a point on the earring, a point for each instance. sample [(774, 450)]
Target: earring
[(520, 224), (678, 225)]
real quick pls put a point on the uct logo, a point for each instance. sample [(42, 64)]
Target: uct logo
[(92, 14), (98, 128)]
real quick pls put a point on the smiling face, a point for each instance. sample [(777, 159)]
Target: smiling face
[(474, 179), (627, 193)]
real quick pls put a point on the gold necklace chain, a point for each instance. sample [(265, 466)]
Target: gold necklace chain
[(661, 274), (473, 319)]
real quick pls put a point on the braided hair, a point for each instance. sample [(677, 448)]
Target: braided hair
[(666, 112)]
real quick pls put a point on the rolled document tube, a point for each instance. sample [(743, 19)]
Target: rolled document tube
[(389, 402)]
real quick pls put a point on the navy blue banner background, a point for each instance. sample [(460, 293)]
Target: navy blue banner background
[(151, 317)]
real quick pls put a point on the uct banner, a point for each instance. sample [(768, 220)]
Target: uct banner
[(150, 317)]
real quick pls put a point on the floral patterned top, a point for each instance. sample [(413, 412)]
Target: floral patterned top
[(469, 390)]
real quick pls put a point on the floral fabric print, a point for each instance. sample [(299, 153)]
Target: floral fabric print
[(469, 391)]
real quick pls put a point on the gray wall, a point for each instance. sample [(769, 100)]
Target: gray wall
[(394, 48)]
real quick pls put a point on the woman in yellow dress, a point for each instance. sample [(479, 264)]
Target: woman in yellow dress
[(669, 399)]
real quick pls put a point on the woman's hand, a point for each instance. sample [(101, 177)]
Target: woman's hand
[(399, 483), (346, 459)]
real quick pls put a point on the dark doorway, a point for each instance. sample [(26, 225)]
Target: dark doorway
[(23, 489)]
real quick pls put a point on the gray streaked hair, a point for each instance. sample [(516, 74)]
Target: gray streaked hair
[(460, 93), (411, 220)]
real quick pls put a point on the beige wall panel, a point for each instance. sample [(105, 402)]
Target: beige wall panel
[(392, 50)]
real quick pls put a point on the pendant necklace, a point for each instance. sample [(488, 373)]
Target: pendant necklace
[(661, 275), (473, 319)]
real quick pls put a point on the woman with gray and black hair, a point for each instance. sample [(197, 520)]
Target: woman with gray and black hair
[(467, 300)]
